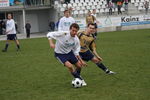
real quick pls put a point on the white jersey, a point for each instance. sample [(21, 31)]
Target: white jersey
[(64, 23), (65, 42), (10, 27), (94, 16)]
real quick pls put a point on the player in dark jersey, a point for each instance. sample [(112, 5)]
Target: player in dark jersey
[(88, 48)]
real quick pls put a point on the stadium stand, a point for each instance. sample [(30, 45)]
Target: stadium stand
[(101, 6)]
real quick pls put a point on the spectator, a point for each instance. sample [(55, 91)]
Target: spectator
[(2, 26), (28, 27), (70, 10), (67, 1), (57, 24), (126, 6), (110, 6), (52, 26), (146, 5), (119, 5), (90, 18), (1, 31)]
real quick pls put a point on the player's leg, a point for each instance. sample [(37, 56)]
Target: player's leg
[(89, 56), (101, 65), (6, 46), (68, 61), (17, 42), (28, 33), (86, 56), (78, 65), (72, 70), (78, 70), (9, 37)]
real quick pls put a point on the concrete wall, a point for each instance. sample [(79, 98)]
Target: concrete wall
[(53, 15), (43, 18), (119, 23), (38, 19), (121, 28)]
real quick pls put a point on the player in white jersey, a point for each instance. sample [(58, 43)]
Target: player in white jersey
[(67, 49), (65, 22), (11, 33)]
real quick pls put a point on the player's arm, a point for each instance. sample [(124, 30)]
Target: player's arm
[(60, 25), (93, 49), (94, 19), (81, 61), (50, 39), (86, 20), (51, 43), (80, 33), (7, 31), (54, 35)]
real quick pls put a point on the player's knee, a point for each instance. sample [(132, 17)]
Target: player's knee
[(69, 66), (96, 60), (78, 64)]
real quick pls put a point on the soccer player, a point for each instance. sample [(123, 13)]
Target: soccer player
[(67, 49), (90, 18), (88, 48), (95, 22), (65, 22), (11, 33)]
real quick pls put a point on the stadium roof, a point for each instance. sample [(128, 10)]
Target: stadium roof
[(19, 8)]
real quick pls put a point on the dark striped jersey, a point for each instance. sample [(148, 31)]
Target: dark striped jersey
[(86, 41)]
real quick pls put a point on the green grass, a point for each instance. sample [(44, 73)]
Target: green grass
[(34, 74)]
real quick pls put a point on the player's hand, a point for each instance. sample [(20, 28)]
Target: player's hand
[(83, 63), (52, 45)]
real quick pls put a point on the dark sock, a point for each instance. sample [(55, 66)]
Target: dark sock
[(76, 75), (103, 67), (18, 46), (78, 70), (6, 46)]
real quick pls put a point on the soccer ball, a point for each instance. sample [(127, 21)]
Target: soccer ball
[(76, 83)]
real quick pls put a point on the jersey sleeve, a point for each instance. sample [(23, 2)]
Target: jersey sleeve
[(92, 46), (86, 20), (55, 35), (80, 34), (60, 25)]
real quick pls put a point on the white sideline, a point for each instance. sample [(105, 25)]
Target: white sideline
[(23, 36)]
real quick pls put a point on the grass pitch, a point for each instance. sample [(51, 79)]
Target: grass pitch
[(34, 74)]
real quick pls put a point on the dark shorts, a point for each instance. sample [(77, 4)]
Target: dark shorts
[(11, 37), (66, 57), (86, 55)]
